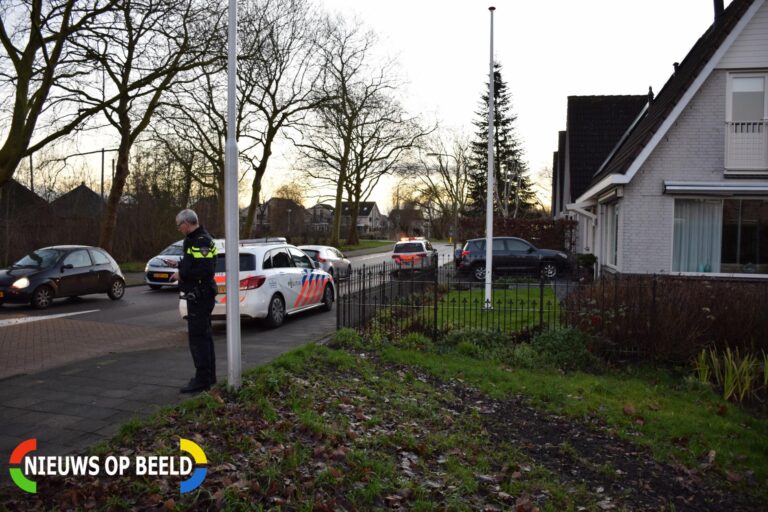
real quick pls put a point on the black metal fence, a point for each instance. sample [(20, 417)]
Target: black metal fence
[(439, 299), (659, 316)]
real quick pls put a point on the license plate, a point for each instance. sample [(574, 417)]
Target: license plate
[(162, 276), (222, 290)]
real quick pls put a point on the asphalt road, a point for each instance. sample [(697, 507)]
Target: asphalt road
[(139, 312)]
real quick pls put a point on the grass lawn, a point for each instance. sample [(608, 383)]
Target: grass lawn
[(133, 266), (513, 310), (377, 427)]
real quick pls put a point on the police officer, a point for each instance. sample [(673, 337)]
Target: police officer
[(196, 283)]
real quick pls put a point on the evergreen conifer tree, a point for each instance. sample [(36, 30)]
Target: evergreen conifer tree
[(513, 195)]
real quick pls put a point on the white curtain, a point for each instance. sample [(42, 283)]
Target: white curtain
[(698, 235)]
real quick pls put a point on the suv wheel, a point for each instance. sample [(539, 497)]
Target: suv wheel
[(549, 270), (276, 311), (478, 272), (42, 297)]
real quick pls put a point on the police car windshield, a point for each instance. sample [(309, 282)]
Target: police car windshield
[(409, 247), (247, 263), (42, 258), (173, 250)]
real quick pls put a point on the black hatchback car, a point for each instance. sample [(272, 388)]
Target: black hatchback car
[(61, 271), (510, 256)]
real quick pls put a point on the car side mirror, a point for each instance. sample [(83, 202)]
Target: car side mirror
[(68, 266), (530, 250)]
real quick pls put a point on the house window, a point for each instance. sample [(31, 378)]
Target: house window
[(746, 134), (611, 234), (748, 98), (728, 236)]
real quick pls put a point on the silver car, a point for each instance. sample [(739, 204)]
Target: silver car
[(158, 272), (329, 259)]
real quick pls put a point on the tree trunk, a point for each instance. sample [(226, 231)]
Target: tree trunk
[(352, 237), (109, 219)]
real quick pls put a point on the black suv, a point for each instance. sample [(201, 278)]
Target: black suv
[(510, 256)]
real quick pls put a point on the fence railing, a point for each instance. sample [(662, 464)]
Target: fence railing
[(671, 317), (440, 299)]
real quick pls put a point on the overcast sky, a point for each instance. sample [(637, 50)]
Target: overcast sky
[(548, 49)]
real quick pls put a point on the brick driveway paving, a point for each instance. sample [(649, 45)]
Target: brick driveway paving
[(69, 402)]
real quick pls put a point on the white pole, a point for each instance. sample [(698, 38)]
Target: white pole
[(489, 193), (232, 211)]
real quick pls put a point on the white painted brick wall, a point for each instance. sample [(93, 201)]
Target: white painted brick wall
[(692, 150)]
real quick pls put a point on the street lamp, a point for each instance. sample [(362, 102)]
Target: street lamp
[(455, 198)]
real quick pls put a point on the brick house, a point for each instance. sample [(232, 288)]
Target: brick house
[(685, 190), (594, 124)]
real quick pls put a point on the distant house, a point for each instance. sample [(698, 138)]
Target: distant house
[(685, 190), (25, 221), (78, 216), (369, 219), (320, 218), (594, 125), (79, 202), (285, 217)]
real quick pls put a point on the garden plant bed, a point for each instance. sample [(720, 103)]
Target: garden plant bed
[(358, 428)]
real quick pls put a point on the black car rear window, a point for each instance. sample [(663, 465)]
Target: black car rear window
[(311, 253), (409, 247), (247, 262)]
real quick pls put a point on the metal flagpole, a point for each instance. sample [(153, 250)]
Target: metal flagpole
[(232, 211), (489, 193)]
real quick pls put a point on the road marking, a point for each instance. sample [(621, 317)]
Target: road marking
[(23, 320)]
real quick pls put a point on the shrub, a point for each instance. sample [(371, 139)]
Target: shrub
[(671, 318), (480, 344), (566, 349), (469, 349), (346, 338), (524, 356), (738, 375), (415, 341)]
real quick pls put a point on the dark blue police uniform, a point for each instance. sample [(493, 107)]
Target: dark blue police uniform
[(196, 270)]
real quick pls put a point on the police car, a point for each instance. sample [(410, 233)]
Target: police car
[(414, 253), (276, 280)]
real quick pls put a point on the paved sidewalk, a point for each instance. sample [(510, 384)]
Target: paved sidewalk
[(71, 407)]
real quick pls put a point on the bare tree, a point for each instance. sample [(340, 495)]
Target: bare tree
[(36, 39), (361, 133), (444, 178), (281, 41), (383, 136), (275, 87), (141, 48)]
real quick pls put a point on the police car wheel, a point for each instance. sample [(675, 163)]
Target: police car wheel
[(276, 311), (328, 298), (116, 289)]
